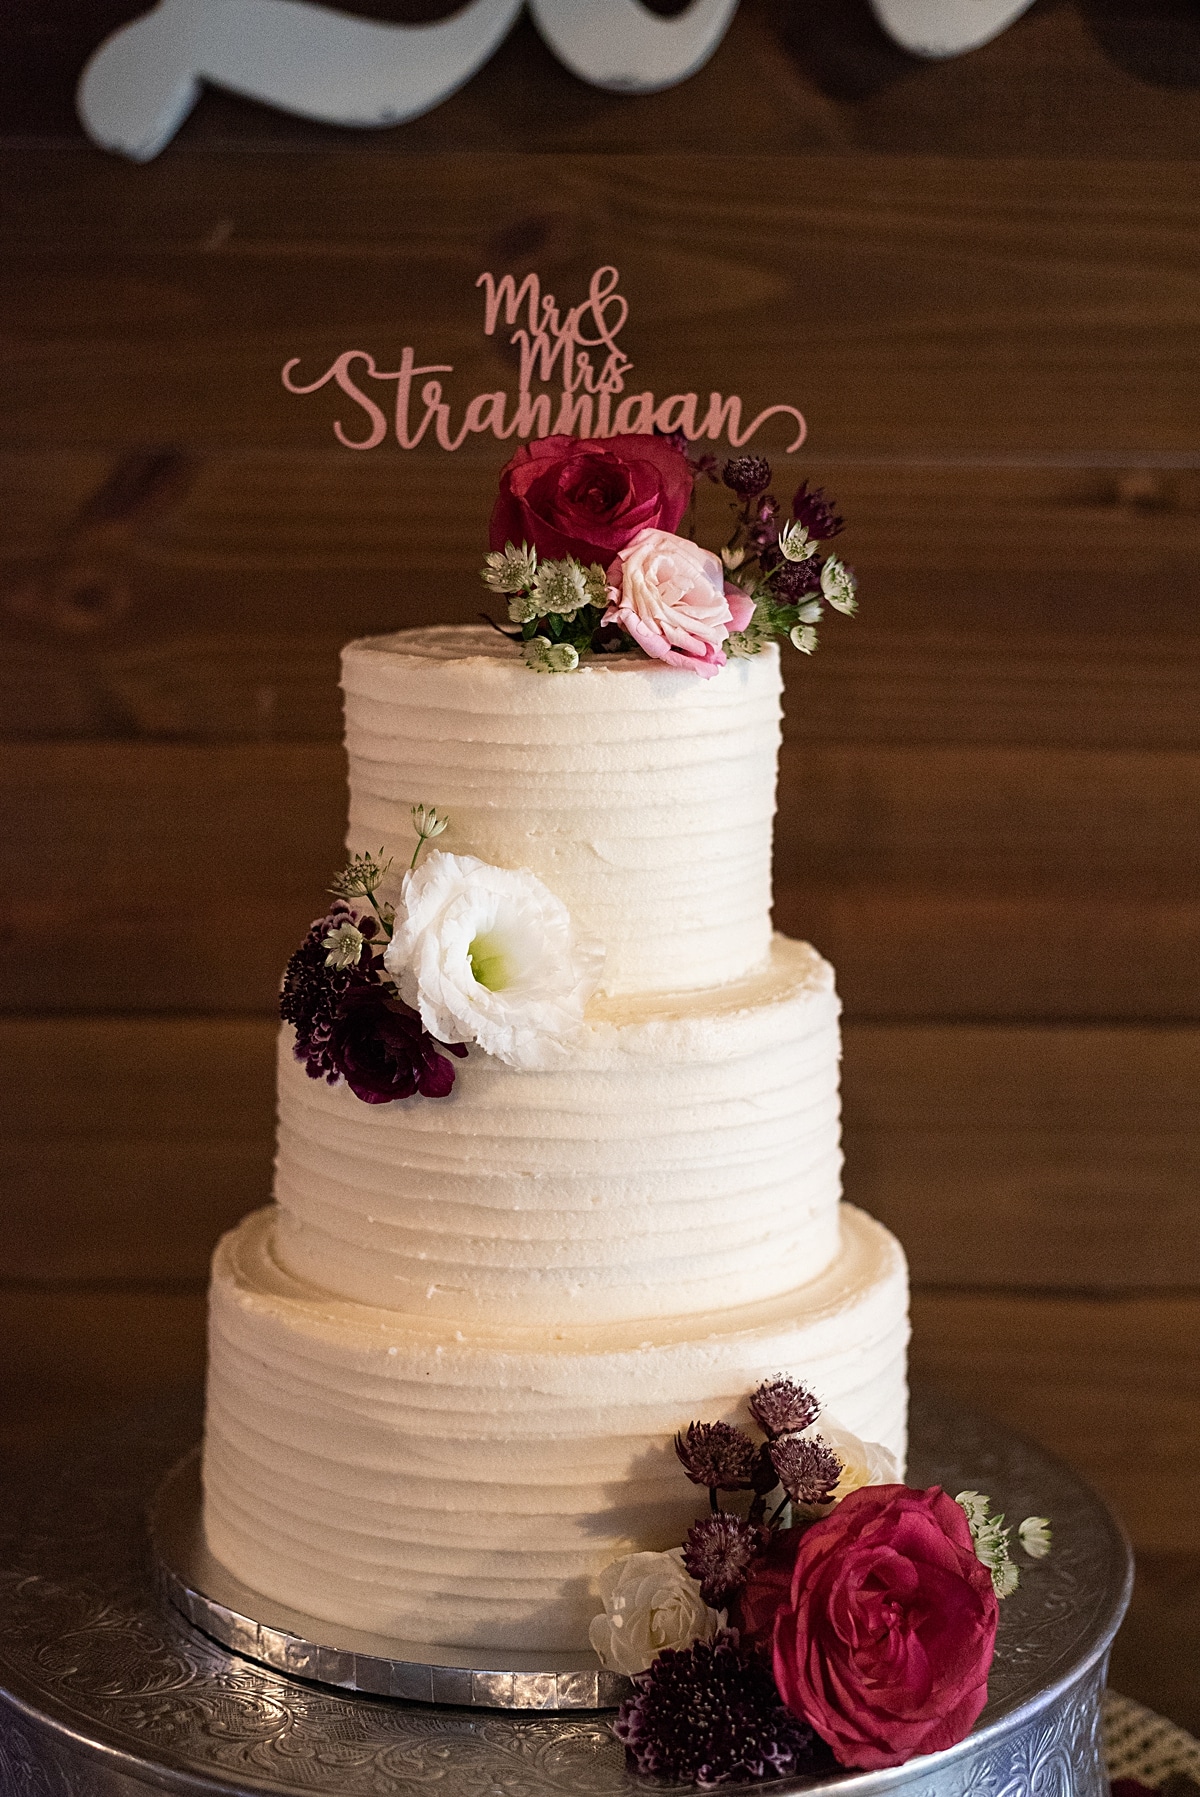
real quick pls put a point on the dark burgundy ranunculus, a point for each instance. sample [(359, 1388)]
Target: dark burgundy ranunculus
[(589, 497), (884, 1640), (382, 1049)]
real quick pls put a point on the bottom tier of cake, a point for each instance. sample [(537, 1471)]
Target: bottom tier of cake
[(465, 1489)]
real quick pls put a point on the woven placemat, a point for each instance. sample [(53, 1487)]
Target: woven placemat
[(1140, 1744)]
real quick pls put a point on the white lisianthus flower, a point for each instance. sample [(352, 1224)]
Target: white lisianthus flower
[(863, 1462), (651, 1602), (488, 955)]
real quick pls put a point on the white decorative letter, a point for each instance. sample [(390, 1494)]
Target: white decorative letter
[(142, 82)]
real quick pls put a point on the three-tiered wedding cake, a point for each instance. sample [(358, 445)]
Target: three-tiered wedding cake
[(446, 1366)]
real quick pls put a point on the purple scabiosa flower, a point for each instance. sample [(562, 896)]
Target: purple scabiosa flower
[(312, 988), (719, 1552), (794, 581), (350, 1025), (816, 513), (747, 475), (808, 1470), (382, 1049), (717, 1455), (709, 1714), (781, 1407)]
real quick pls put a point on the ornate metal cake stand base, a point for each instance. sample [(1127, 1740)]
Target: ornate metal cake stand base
[(107, 1691)]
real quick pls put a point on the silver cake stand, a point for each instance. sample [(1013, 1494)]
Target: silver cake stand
[(107, 1690)]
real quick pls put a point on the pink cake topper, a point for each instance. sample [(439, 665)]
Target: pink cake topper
[(571, 382)]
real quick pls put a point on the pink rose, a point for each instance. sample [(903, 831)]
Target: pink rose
[(589, 497), (885, 1639), (673, 599)]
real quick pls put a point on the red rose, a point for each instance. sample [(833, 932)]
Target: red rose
[(589, 498), (884, 1641), (756, 1606)]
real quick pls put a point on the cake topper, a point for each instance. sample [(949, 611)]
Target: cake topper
[(571, 382)]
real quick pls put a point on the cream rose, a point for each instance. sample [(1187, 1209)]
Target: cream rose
[(651, 1602), (488, 955), (673, 599), (863, 1462)]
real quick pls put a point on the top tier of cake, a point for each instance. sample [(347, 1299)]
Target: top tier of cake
[(642, 797)]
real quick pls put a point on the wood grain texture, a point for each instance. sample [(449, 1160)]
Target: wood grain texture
[(219, 618), (71, 1353), (1050, 1159), (1156, 1656), (1082, 1374), (943, 881), (944, 316)]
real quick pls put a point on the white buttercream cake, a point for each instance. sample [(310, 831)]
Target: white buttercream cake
[(446, 1366)]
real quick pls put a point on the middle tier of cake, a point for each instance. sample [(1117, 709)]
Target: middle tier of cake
[(683, 1159)]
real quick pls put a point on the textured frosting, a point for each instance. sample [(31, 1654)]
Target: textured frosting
[(641, 796), (464, 1487), (683, 1159)]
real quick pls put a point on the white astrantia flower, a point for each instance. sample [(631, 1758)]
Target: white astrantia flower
[(344, 943), (795, 543), (508, 570), (733, 558), (651, 1602), (991, 1541), (838, 585), (1034, 1536), (545, 657), (811, 612), (804, 638), (863, 1462), (563, 588), (488, 955), (522, 608), (428, 821)]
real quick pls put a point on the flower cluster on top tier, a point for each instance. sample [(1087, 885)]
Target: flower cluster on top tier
[(843, 1619), (600, 564), (473, 954)]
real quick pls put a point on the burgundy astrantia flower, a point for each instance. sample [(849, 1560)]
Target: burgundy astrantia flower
[(383, 1050), (794, 581), (719, 1552), (709, 1714), (351, 1025), (747, 475), (808, 1469), (717, 1455), (781, 1407), (589, 498), (816, 513)]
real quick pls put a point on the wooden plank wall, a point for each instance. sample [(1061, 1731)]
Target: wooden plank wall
[(982, 282)]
